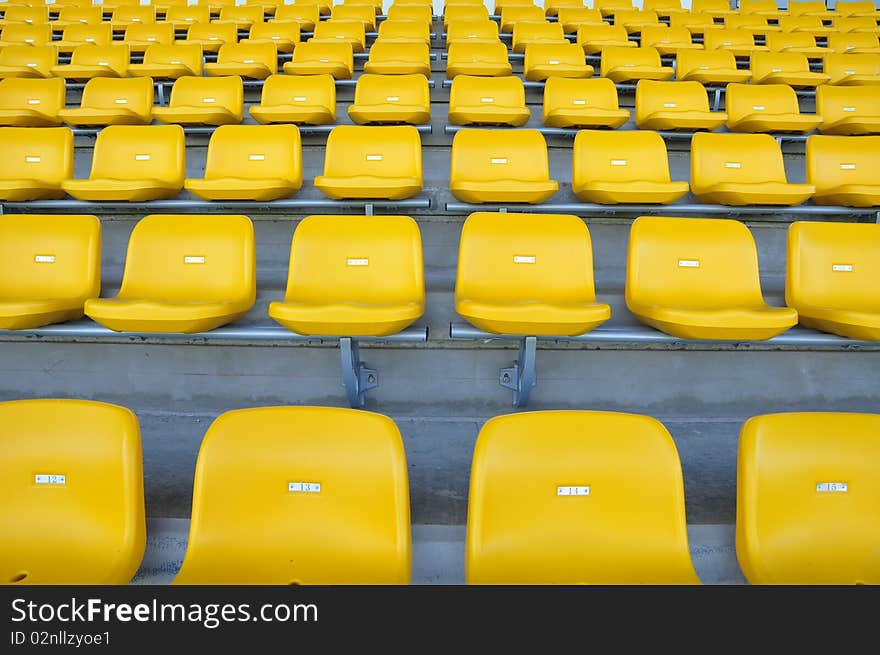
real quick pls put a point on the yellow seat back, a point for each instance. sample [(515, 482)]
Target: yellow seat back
[(848, 8), (517, 259), (566, 93), (91, 15), (215, 32), (257, 152), (44, 154), (843, 42), (483, 53), (114, 56), (473, 91), (618, 57), (537, 31), (580, 15), (27, 34), (356, 260), (746, 99), (698, 263), (688, 61), (833, 266), (324, 52), (653, 97), (295, 89), (852, 24), (135, 152), (241, 14), (46, 96), (99, 34), (835, 103), (636, 155), (134, 14), (800, 23), (837, 161), (40, 58), (26, 15), (511, 16), (187, 258), (375, 151), (749, 22), (390, 51), (781, 41), (249, 53), (365, 14), (796, 8), (305, 14), (625, 17), (663, 7), (50, 257), (71, 484), (735, 159), (405, 30), (186, 54), (467, 30), (492, 155), (612, 6), (455, 13), (808, 499), (695, 23), (208, 92), (420, 13), (576, 497), (604, 34), (300, 495), (765, 63), (728, 38), (543, 54), (401, 90), (158, 33), (188, 14), (134, 94), (756, 6), (668, 36), (700, 6), (838, 66), (341, 30)]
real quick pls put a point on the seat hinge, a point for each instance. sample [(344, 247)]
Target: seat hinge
[(522, 377)]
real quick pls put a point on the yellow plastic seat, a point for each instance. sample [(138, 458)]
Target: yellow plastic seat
[(552, 7), (582, 103), (742, 169), (34, 162), (767, 108), (665, 8), (752, 23), (182, 17), (284, 35), (848, 110), (844, 170), (796, 42), (855, 43), (210, 36), (169, 62), (133, 163), (853, 70), (312, 58), (767, 8), (376, 5), (808, 493), (22, 14), (353, 276), (109, 6), (472, 32), (78, 35), (307, 16), (72, 490), (500, 166), (790, 68), (611, 7), (806, 24), (27, 61), (696, 24), (69, 15), (385, 99), (594, 39), (308, 99), (739, 42), (572, 19), (26, 102), (341, 31), (482, 59), (604, 488), (242, 16), (545, 60), (300, 495), (512, 16), (251, 162), (125, 16), (857, 25), (668, 40), (697, 278), (24, 34), (471, 12), (675, 106), (831, 277), (709, 67), (140, 36), (528, 33), (634, 20), (488, 101), (372, 162), (49, 267), (527, 274), (419, 13), (183, 274), (809, 8), (389, 58), (627, 65), (855, 8), (712, 8), (204, 101), (255, 61), (112, 101), (89, 61), (622, 167), (365, 14), (404, 31)]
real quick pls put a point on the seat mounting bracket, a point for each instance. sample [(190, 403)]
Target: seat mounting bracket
[(522, 376), (356, 377)]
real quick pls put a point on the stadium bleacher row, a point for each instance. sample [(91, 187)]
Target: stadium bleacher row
[(134, 109), (317, 495)]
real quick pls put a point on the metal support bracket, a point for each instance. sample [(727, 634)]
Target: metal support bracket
[(522, 376), (369, 210), (356, 377)]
